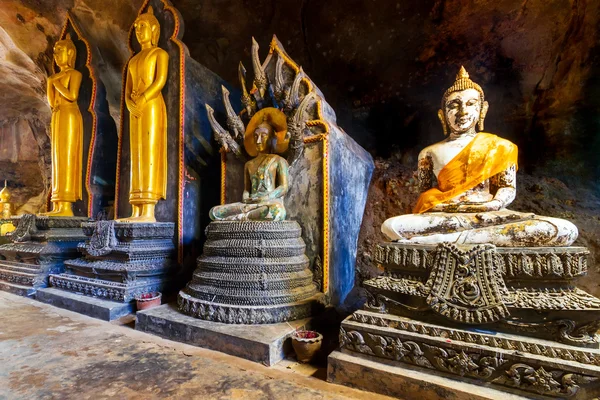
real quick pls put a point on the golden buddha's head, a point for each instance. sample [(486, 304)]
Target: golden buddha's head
[(147, 28), (266, 132), (65, 52), (463, 105)]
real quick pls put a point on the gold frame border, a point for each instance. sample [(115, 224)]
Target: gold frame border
[(181, 166), (88, 64)]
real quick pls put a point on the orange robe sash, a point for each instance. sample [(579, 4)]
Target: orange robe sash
[(485, 156)]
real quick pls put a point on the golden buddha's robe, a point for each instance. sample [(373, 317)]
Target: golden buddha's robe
[(485, 156), (148, 134), (67, 145)]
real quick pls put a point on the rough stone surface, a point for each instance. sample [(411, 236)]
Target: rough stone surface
[(90, 306), (47, 352), (265, 344)]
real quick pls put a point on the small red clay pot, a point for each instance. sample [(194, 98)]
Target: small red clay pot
[(306, 344), (148, 300)]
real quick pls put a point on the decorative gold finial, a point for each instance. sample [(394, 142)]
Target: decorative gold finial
[(462, 74), (4, 194), (150, 10)]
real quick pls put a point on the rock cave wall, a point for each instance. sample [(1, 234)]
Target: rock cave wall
[(383, 66)]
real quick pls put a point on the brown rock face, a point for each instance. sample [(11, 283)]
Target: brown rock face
[(383, 66)]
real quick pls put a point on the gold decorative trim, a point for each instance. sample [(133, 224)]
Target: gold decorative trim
[(223, 175)]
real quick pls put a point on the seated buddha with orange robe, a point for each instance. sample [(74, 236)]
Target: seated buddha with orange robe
[(467, 180)]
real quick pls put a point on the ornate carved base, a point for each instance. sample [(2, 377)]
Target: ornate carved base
[(251, 273), (121, 261), (529, 365), (40, 244), (526, 291)]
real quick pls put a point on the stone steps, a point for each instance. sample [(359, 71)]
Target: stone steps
[(19, 267), (21, 290), (17, 277)]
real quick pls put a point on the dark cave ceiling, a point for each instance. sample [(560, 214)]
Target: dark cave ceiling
[(383, 65)]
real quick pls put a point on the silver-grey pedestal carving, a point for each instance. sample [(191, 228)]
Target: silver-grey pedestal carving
[(509, 317), (251, 272), (121, 260), (40, 245)]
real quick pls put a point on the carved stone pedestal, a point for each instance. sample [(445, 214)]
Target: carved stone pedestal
[(442, 309), (522, 290), (251, 273), (121, 260), (508, 362), (39, 246)]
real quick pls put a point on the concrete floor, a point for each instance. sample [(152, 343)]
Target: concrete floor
[(47, 353)]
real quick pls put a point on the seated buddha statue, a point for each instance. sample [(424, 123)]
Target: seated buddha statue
[(146, 77), (265, 175), (66, 131), (467, 181)]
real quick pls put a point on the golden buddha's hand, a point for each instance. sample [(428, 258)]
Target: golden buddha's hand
[(139, 101), (134, 110)]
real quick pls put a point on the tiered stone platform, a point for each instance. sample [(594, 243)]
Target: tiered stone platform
[(251, 273), (252, 289), (40, 245), (508, 318), (121, 261)]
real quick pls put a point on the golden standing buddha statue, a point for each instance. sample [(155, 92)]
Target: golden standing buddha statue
[(146, 77), (266, 176), (67, 130)]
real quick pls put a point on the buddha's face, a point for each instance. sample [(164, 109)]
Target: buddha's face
[(143, 30), (261, 138), (462, 110), (62, 54)]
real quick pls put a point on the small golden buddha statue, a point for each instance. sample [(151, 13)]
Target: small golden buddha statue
[(66, 131), (266, 177), (467, 181), (7, 211), (146, 77)]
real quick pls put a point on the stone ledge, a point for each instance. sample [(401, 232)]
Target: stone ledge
[(380, 376), (90, 306), (265, 344)]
